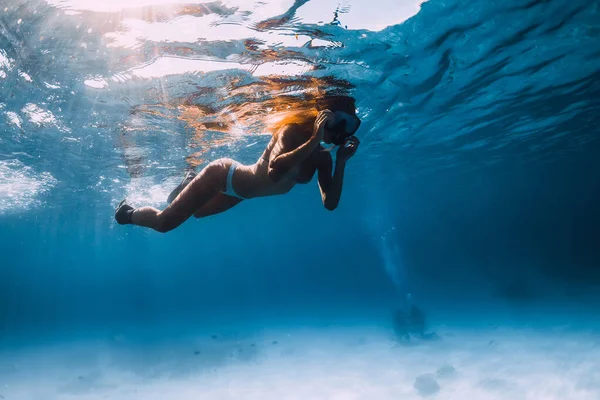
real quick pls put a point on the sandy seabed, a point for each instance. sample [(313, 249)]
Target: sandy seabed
[(310, 363)]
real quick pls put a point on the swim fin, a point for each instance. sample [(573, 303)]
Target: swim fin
[(123, 213)]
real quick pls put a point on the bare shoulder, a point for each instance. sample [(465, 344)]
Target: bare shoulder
[(293, 134), (283, 141)]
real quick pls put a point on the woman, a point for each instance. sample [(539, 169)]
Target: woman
[(292, 156)]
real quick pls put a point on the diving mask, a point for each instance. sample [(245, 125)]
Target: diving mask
[(346, 125)]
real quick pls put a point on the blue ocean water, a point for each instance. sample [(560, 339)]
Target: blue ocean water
[(462, 262)]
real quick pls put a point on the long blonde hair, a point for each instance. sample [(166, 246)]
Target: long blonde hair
[(305, 112)]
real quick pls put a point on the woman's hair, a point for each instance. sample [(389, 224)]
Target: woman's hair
[(303, 112), (337, 103)]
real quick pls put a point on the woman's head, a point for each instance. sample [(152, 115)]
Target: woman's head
[(303, 112), (346, 121)]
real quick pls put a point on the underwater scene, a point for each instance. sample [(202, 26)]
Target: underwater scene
[(299, 199)]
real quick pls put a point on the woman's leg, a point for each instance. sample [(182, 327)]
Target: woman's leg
[(219, 203), (189, 176), (208, 183)]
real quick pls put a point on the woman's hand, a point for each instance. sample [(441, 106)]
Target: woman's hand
[(347, 150), (323, 118)]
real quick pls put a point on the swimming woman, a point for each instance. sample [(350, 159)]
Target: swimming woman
[(299, 148)]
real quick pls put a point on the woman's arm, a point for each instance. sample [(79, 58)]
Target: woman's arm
[(292, 149), (331, 186)]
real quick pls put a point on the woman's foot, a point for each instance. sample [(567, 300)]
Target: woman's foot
[(186, 181), (123, 213)]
